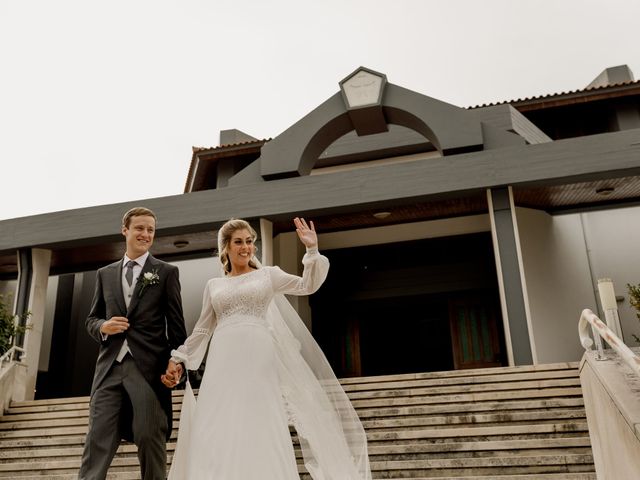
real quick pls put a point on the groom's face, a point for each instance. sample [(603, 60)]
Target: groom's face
[(139, 235)]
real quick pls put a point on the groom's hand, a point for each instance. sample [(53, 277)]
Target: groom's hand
[(114, 325), (172, 376)]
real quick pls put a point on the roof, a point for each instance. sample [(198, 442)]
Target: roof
[(228, 145), (604, 91), (234, 148)]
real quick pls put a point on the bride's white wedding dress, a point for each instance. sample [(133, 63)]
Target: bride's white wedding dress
[(257, 381)]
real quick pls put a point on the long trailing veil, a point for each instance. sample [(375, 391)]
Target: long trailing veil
[(332, 439)]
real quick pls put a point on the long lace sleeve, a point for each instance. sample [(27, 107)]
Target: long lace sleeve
[(316, 267), (192, 351)]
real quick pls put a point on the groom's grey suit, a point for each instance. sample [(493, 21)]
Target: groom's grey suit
[(128, 399)]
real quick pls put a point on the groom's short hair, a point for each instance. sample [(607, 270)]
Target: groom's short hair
[(137, 212)]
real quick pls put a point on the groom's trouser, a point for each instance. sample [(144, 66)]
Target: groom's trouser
[(149, 424)]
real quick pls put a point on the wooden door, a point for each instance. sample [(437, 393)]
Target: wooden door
[(475, 333)]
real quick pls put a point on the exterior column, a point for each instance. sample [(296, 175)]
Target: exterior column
[(511, 282), (33, 276), (266, 236)]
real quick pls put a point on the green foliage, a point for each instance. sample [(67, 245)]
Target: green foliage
[(634, 300), (8, 325)]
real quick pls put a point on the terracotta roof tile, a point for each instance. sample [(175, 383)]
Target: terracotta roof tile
[(228, 145), (556, 95)]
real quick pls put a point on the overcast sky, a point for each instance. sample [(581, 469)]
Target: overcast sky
[(101, 101)]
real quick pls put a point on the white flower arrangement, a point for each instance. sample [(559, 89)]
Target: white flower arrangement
[(149, 279)]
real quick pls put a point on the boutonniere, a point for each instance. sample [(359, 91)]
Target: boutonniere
[(149, 279)]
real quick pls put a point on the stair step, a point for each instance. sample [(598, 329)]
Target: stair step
[(536, 476), (491, 447), (11, 423), (473, 419), (476, 372), (557, 427), (393, 465), (135, 475), (26, 451), (474, 388), (469, 398), (518, 405), (478, 431), (363, 412), (461, 380), (127, 475)]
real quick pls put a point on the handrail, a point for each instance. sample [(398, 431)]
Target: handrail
[(9, 355), (600, 328)]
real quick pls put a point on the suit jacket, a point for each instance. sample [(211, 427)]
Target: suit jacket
[(156, 326)]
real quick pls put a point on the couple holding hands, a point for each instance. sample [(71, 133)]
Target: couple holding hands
[(264, 369)]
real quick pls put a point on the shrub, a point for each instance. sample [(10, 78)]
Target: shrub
[(634, 300), (9, 325)]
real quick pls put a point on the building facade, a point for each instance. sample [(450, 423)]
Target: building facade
[(458, 237)]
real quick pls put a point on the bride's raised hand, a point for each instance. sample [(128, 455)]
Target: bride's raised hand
[(306, 234)]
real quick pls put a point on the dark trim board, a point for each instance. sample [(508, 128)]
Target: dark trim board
[(511, 276), (601, 156), (25, 277)]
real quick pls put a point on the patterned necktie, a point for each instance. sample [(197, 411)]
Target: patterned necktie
[(129, 273)]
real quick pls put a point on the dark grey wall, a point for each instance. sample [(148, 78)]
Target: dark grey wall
[(73, 352)]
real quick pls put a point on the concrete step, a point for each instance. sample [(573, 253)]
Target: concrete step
[(468, 397), (446, 408), (398, 421), (476, 372), (462, 389), (480, 433), (535, 476), (559, 463), (580, 445), (556, 427), (134, 475), (488, 406), (415, 398), (461, 380), (126, 475)]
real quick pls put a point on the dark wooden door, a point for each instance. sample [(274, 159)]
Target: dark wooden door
[(475, 333)]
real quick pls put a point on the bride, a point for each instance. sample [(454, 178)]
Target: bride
[(264, 371)]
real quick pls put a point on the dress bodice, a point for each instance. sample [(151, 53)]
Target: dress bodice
[(245, 299), (241, 299)]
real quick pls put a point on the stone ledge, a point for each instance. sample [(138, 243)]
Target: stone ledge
[(620, 383)]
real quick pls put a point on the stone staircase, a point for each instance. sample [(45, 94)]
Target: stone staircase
[(496, 423)]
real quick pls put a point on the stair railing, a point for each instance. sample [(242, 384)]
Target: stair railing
[(601, 331), (11, 355)]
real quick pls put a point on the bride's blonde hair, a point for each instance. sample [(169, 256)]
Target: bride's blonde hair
[(224, 238)]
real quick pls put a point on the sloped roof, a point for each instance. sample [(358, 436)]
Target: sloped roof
[(606, 91), (221, 150), (228, 145)]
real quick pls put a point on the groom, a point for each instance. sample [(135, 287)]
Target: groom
[(136, 316)]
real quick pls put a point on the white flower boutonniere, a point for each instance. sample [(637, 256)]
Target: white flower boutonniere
[(148, 279)]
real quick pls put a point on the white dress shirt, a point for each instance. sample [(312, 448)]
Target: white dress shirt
[(127, 291)]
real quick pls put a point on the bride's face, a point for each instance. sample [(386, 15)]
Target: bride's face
[(241, 249)]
